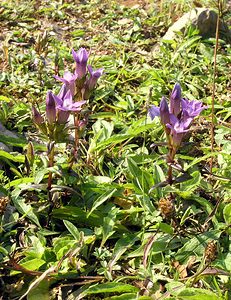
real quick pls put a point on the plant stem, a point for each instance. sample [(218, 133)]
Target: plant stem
[(170, 181), (170, 160), (50, 152), (76, 122), (214, 88)]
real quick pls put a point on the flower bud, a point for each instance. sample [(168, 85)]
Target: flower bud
[(50, 108), (175, 100), (63, 116), (81, 58), (91, 81), (164, 111), (37, 118)]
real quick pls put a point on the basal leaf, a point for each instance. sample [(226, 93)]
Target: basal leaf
[(110, 287)]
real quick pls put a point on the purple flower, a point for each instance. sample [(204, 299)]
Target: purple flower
[(94, 76), (178, 128), (69, 80), (153, 112), (37, 118), (81, 58), (164, 111), (175, 100), (66, 102), (91, 81), (50, 108), (179, 117)]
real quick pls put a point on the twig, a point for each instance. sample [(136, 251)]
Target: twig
[(214, 87), (147, 248)]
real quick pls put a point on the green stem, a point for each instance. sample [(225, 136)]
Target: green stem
[(51, 153)]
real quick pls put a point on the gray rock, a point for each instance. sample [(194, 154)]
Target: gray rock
[(204, 19), (4, 147), (7, 132)]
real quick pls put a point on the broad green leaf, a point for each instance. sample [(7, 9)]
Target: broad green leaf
[(101, 199), (113, 140), (191, 184), (142, 180), (40, 291), (32, 264), (39, 175), (121, 247), (196, 245), (227, 213), (197, 294), (109, 224), (18, 142), (25, 209), (19, 181), (78, 215), (129, 296), (16, 158), (146, 203), (72, 229), (4, 99), (110, 287)]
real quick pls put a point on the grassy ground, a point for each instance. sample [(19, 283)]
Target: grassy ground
[(109, 228)]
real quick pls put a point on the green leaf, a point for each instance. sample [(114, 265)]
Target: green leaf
[(41, 291), (110, 287), (146, 203), (141, 178), (4, 99), (40, 175), (195, 294), (196, 245), (77, 214), (16, 158), (19, 181), (101, 199), (121, 247), (129, 296), (31, 264), (227, 213), (18, 142), (72, 229), (109, 224), (25, 209)]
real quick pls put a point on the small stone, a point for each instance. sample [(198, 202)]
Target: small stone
[(4, 147), (6, 132)]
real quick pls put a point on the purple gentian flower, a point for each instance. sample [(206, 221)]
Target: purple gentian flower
[(91, 81), (178, 128), (81, 58), (37, 118), (69, 80), (179, 117), (164, 111), (50, 108), (153, 112), (66, 103), (175, 100), (94, 76)]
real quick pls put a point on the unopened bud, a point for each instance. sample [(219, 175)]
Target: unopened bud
[(50, 108), (37, 118)]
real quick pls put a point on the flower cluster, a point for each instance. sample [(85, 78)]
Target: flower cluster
[(177, 117), (76, 89)]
